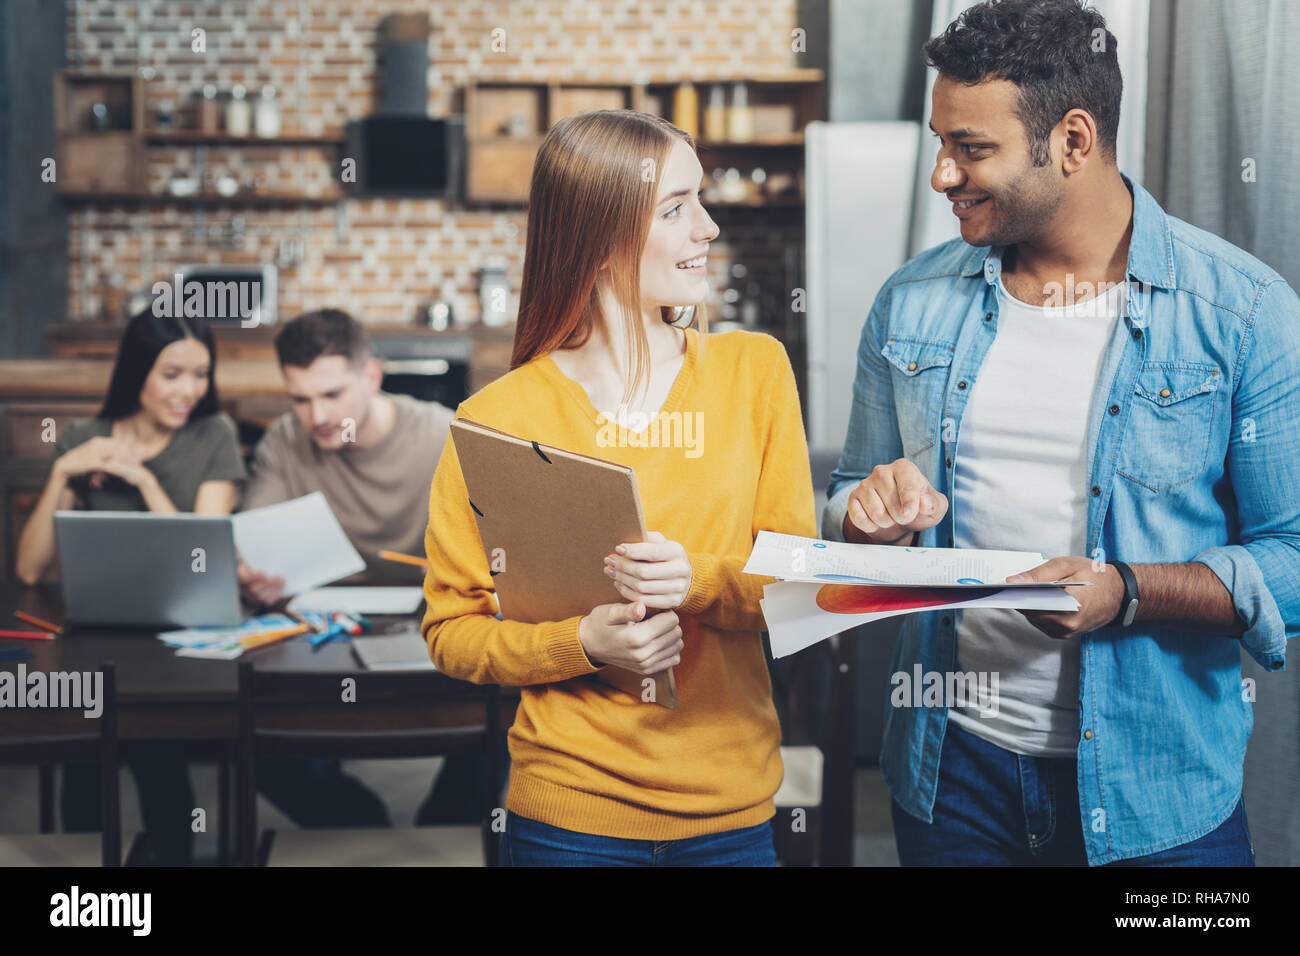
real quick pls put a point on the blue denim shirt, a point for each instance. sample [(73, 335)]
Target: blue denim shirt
[(1194, 455)]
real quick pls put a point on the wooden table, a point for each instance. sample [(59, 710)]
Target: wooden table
[(165, 697)]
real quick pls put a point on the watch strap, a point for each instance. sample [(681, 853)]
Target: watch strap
[(1129, 605)]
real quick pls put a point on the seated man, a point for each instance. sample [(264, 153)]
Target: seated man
[(372, 455)]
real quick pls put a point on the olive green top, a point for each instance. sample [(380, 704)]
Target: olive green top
[(203, 449)]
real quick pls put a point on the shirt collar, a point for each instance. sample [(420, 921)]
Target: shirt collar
[(1150, 249)]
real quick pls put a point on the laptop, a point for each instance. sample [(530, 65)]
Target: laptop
[(140, 569)]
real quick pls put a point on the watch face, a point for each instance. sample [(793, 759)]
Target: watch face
[(1130, 612)]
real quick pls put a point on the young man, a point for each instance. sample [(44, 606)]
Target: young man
[(372, 455), (1142, 434)]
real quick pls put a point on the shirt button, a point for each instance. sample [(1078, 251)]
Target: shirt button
[(947, 462), (1114, 409), (1137, 333), (1095, 491), (1087, 735), (961, 384), (911, 366), (988, 316), (1164, 393)]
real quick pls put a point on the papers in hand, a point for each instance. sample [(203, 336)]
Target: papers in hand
[(299, 540), (829, 587), (793, 558), (799, 614)]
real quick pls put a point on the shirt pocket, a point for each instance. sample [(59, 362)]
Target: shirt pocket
[(920, 377), (1167, 438)]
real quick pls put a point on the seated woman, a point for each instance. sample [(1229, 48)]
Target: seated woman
[(614, 265), (159, 444)]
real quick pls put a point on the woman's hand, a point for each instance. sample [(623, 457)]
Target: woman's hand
[(617, 634), (89, 457), (102, 456), (132, 472), (655, 572)]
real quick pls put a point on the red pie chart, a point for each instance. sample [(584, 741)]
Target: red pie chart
[(869, 599)]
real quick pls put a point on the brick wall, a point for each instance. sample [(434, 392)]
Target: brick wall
[(380, 259)]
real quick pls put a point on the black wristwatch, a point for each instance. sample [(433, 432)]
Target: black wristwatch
[(1128, 607)]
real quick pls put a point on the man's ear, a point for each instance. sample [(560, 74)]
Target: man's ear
[(372, 373), (1080, 140)]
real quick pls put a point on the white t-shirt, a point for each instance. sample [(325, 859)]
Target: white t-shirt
[(1021, 483)]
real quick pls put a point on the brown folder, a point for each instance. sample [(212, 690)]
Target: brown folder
[(547, 518)]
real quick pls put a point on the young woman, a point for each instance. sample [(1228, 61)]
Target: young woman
[(616, 248), (158, 444)]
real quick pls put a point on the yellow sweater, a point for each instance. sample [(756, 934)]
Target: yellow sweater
[(728, 459)]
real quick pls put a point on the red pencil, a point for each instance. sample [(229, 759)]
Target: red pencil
[(28, 635)]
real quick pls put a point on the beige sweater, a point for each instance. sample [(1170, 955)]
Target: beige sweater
[(380, 494)]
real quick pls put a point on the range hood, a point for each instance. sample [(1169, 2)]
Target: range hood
[(400, 150)]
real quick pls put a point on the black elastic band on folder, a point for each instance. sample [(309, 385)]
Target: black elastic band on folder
[(476, 511), (539, 452)]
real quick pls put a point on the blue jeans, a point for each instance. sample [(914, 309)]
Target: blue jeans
[(997, 808), (530, 843)]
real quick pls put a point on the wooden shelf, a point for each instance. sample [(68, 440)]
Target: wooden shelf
[(203, 199), (769, 203), (791, 139), (194, 137)]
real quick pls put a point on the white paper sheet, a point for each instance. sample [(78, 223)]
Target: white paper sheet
[(794, 558), (795, 620), (386, 600), (300, 540)]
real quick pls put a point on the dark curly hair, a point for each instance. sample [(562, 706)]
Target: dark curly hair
[(1058, 52)]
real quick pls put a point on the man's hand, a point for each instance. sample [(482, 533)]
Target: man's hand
[(259, 589), (1098, 603), (891, 503)]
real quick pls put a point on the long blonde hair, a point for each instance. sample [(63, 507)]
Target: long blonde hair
[(591, 202)]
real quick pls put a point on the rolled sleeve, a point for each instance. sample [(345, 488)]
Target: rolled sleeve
[(1261, 568), (1265, 637), (837, 507)]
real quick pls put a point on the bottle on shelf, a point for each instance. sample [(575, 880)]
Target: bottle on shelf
[(715, 114), (266, 114), (740, 118), (238, 112), (686, 109), (209, 109)]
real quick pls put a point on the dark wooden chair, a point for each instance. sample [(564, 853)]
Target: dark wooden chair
[(45, 737), (390, 715), (816, 698)]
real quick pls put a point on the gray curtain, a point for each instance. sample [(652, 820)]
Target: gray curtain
[(1234, 95)]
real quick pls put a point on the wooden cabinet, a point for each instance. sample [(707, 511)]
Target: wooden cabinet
[(506, 122), (98, 120)]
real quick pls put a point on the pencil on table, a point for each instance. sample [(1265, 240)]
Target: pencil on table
[(27, 635), (33, 619), (404, 558), (261, 640), (303, 621)]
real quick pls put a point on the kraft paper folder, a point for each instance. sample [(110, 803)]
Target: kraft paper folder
[(555, 515)]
